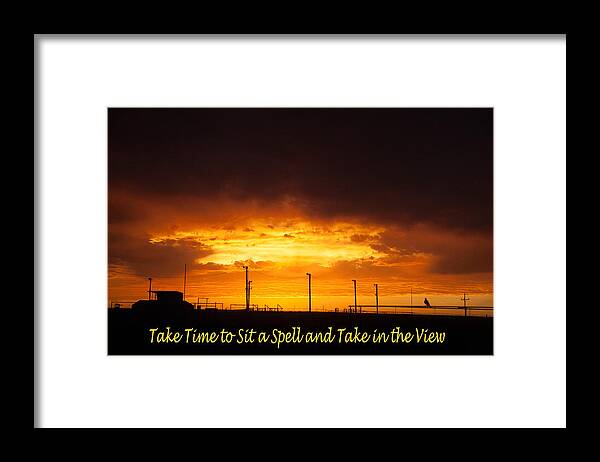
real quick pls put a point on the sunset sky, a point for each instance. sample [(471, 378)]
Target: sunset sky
[(398, 197)]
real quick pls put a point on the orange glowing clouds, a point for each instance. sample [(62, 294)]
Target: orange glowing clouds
[(281, 250), (291, 244)]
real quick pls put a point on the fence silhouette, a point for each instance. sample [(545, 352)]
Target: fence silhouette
[(451, 310), (486, 311), (120, 304), (242, 306), (206, 305)]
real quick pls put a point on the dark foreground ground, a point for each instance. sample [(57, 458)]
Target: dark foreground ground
[(128, 333)]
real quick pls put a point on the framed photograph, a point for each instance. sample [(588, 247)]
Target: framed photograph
[(300, 231)]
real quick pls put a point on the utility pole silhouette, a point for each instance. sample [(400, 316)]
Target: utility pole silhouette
[(309, 292), (247, 299), (249, 288), (150, 289), (377, 298), (354, 281), (184, 278), (465, 299)]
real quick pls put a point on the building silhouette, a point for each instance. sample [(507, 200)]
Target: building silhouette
[(164, 302)]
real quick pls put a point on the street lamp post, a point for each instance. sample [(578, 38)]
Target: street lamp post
[(354, 281), (377, 298)]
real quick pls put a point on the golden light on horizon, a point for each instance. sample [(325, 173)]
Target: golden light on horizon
[(280, 252), (300, 243)]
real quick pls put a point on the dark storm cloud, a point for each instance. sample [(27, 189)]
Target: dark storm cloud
[(121, 212), (156, 259), (452, 253), (385, 165)]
